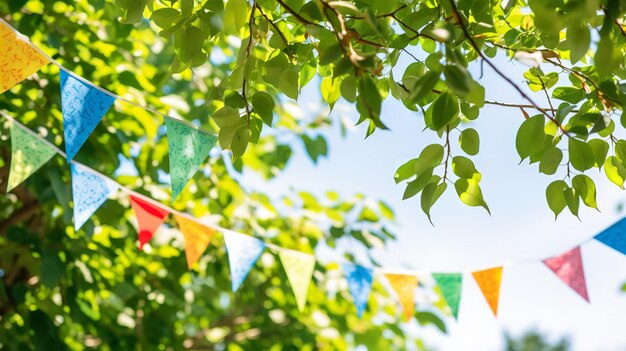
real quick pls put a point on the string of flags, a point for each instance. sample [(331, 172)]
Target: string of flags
[(84, 105)]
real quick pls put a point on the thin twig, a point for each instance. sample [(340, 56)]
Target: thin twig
[(469, 38), (248, 48), (280, 33)]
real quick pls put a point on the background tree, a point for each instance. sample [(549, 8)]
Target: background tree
[(534, 341)]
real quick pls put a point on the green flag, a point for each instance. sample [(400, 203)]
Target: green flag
[(189, 147), (299, 267), (450, 285), (28, 154)]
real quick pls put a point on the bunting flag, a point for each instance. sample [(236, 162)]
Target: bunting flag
[(450, 285), (299, 267), (404, 286), (243, 252), (149, 218), (360, 285), (89, 192), (569, 267), (28, 154), (18, 59), (614, 236), (83, 107), (189, 147), (197, 238), (488, 281)]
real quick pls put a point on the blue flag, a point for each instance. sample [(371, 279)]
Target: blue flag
[(83, 107), (360, 285), (614, 236), (243, 252), (89, 192)]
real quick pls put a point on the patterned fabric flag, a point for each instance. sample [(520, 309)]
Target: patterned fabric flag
[(243, 252), (488, 281), (197, 238), (614, 236), (450, 285), (360, 285), (404, 286), (83, 107), (28, 154), (299, 267), (189, 147), (18, 59), (569, 267), (149, 218), (89, 192)]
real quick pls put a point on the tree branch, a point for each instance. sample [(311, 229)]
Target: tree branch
[(469, 38)]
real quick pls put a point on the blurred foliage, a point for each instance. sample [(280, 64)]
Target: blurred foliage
[(534, 341), (575, 50), (93, 289)]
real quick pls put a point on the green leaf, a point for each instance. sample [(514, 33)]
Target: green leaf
[(615, 171), (469, 141), (289, 83), (600, 150), (550, 160), (413, 73), (569, 94), (263, 104), (581, 155), (330, 90), (578, 41), (424, 86), (470, 194), (528, 136), (431, 194), (463, 167), (417, 185), (348, 88), (226, 117), (458, 79), (330, 54), (586, 189), (425, 318), (406, 171), (235, 16), (555, 195), (166, 17), (445, 109), (429, 158), (573, 200)]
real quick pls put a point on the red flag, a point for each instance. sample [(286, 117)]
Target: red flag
[(149, 218), (569, 267)]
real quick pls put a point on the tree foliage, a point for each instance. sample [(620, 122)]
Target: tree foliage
[(575, 49), (93, 289)]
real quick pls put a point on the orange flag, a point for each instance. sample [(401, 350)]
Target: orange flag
[(149, 218), (488, 281), (197, 238), (18, 59), (404, 286)]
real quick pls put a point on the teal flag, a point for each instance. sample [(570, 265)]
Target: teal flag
[(450, 285), (189, 147), (28, 154)]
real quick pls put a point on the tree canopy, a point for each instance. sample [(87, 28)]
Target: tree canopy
[(237, 68)]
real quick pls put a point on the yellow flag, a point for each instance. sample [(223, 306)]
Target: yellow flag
[(404, 286), (299, 267), (197, 238), (18, 59), (489, 283)]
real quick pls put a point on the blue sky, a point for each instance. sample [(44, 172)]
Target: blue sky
[(520, 232)]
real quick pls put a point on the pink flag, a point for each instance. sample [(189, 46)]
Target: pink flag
[(569, 267)]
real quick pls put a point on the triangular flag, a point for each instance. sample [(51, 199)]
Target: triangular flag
[(243, 251), (18, 58), (28, 154), (488, 281), (149, 218), (189, 147), (89, 192), (299, 267), (197, 238), (614, 236), (569, 267), (83, 107), (450, 285), (360, 285), (404, 286)]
